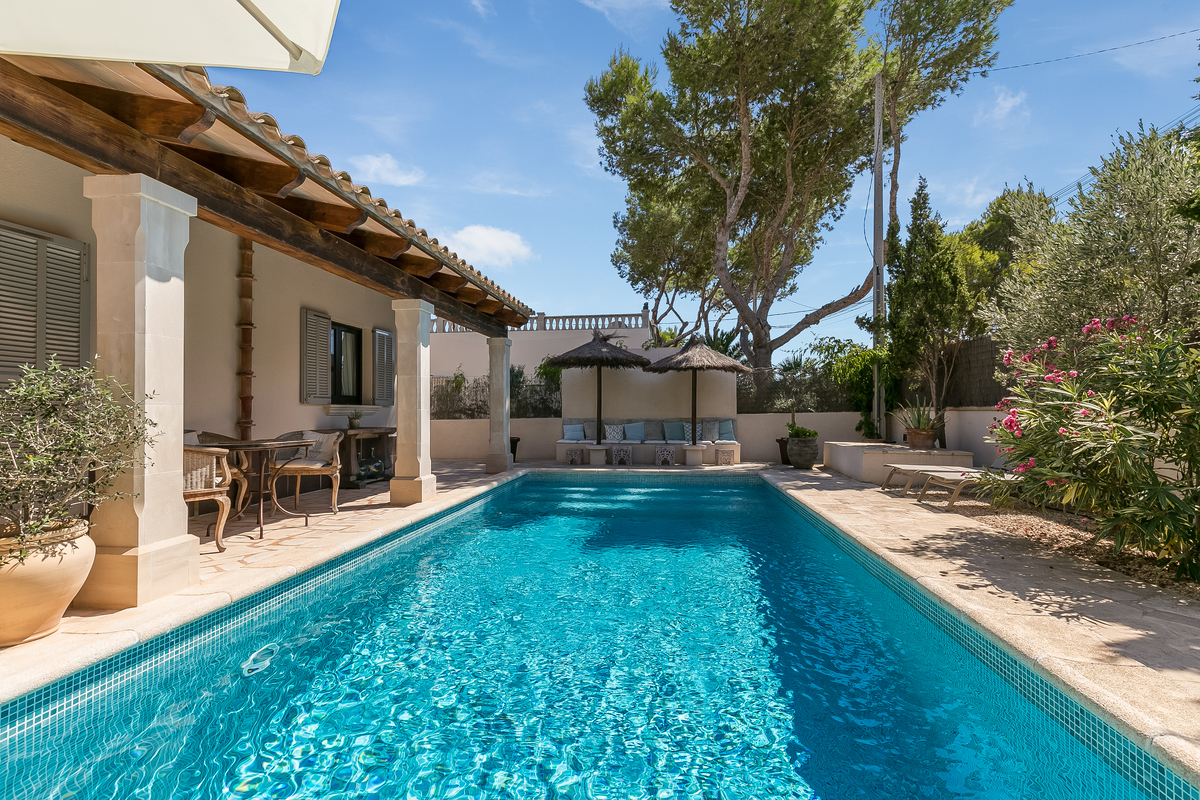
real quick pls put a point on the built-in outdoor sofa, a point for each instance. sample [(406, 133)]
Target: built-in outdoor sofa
[(655, 436)]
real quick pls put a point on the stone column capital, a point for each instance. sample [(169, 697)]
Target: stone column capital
[(97, 187), (412, 305)]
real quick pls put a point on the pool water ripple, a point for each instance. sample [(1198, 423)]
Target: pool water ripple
[(567, 641)]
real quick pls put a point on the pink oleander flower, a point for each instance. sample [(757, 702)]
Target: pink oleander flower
[(1083, 412), (1073, 374), (1090, 393), (1139, 338), (1052, 342), (1062, 430), (1008, 354)]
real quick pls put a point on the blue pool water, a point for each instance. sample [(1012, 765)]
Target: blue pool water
[(560, 640)]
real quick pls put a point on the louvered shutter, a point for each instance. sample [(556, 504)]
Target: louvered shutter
[(385, 368), (43, 305), (315, 379)]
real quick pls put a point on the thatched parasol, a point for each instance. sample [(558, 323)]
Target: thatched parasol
[(693, 357), (598, 353)]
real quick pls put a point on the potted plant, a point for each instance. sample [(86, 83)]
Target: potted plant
[(919, 425), (801, 446), (354, 419), (65, 436)]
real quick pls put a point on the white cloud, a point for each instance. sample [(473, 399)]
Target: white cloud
[(384, 169), (1007, 109), (489, 248), (485, 47), (495, 183), (483, 7), (624, 14)]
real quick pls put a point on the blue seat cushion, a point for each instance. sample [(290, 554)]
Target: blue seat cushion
[(725, 431), (636, 431), (573, 433)]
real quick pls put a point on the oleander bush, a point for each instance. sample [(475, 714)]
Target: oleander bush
[(1111, 428)]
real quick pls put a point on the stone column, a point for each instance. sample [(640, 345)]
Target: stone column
[(143, 549), (413, 480), (499, 457)]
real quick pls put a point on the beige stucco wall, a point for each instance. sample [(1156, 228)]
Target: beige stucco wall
[(42, 192), (966, 429), (758, 432), (468, 438), (449, 352)]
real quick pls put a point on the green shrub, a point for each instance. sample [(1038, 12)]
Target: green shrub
[(1113, 429), (800, 432)]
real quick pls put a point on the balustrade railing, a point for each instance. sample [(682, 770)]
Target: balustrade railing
[(571, 322)]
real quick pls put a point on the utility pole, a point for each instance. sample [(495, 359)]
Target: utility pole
[(879, 308)]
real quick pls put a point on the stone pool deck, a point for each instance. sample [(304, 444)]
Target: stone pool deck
[(1128, 650)]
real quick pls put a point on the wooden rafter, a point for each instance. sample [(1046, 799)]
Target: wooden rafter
[(40, 115), (488, 305), (378, 244), (163, 119), (470, 294), (446, 281), (417, 265), (260, 177), (331, 217)]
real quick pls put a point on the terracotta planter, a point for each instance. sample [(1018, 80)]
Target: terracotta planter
[(802, 451), (34, 594), (920, 438)]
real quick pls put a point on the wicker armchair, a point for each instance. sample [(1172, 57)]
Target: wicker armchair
[(206, 476), (237, 470), (305, 466)]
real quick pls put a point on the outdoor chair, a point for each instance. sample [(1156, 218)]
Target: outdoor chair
[(206, 476), (237, 470), (322, 459)]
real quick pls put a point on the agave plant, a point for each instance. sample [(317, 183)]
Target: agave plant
[(917, 418)]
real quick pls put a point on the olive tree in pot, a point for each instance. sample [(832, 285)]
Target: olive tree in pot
[(65, 436), (801, 446), (920, 426)]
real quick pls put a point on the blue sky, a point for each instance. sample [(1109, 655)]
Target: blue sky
[(468, 116)]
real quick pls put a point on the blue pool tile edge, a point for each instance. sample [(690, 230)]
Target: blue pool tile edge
[(1135, 764)]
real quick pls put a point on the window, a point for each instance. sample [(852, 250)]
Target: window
[(44, 302), (345, 364)]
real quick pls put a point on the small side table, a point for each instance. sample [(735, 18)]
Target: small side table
[(693, 454), (264, 448), (622, 454), (597, 455), (664, 455), (725, 456), (574, 455)]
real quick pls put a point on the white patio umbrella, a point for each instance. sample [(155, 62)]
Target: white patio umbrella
[(286, 35)]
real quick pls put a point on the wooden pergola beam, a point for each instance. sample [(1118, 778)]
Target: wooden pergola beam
[(511, 317), (260, 177), (163, 119), (40, 115)]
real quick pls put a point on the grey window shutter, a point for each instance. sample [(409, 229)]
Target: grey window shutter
[(385, 368), (18, 302), (44, 302), (315, 378), (65, 268)]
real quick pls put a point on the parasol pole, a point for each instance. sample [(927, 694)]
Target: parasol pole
[(599, 422), (694, 407)]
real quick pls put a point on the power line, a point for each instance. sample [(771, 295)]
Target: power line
[(1185, 119), (1092, 53)]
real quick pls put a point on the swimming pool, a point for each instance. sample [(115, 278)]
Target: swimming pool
[(566, 639)]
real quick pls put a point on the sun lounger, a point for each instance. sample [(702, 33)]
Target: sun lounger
[(914, 471), (956, 484)]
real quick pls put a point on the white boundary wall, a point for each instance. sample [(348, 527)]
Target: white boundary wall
[(966, 429)]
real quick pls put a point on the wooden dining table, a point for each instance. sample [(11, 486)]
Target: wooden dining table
[(260, 450)]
